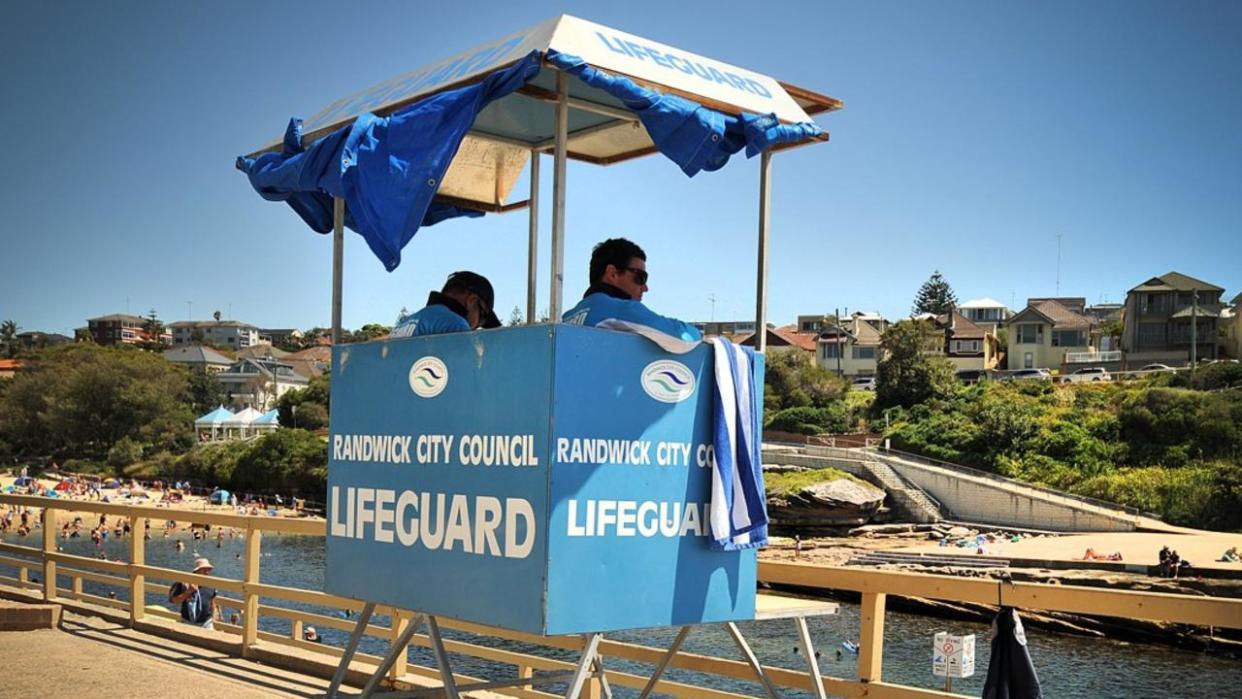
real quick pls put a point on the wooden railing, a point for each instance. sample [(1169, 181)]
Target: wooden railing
[(874, 586)]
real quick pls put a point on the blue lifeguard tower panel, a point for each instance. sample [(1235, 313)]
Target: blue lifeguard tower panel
[(550, 479)]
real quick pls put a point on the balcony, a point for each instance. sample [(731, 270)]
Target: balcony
[(1092, 357)]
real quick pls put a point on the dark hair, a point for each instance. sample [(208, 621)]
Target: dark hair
[(616, 252)]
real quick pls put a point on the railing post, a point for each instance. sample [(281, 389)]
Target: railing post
[(871, 637), (49, 549), (400, 622), (250, 610), (137, 557), (296, 634), (77, 587)]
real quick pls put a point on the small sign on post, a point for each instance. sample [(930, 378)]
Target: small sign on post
[(953, 656)]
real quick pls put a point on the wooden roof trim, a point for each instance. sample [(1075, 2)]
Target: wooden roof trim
[(820, 103)]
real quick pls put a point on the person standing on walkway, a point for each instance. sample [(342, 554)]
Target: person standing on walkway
[(198, 603)]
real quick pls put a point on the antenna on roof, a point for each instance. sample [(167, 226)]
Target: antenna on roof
[(1058, 264)]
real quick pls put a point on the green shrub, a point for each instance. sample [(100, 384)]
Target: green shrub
[(811, 421), (1201, 495), (125, 452)]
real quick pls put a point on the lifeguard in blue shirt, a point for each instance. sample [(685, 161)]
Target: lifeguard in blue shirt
[(618, 282), (464, 304)]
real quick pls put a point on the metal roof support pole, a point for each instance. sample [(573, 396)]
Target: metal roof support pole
[(761, 283), (532, 252), (338, 255), (558, 194)]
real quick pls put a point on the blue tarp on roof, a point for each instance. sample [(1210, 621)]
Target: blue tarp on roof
[(689, 134), (388, 168)]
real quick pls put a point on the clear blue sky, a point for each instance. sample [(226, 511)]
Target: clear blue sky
[(974, 133)]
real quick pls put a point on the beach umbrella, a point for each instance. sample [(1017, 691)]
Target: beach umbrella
[(219, 497), (1011, 675)]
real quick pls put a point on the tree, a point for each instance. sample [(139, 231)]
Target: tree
[(935, 296), (153, 329), (79, 400), (317, 392), (8, 336), (370, 331), (909, 371), (516, 317), (204, 392), (216, 315)]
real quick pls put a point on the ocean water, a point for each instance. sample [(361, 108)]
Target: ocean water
[(1068, 666)]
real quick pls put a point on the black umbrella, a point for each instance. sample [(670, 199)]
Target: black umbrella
[(1010, 672)]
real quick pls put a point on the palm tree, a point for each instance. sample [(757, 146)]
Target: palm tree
[(8, 335)]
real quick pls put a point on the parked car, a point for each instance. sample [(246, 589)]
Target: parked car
[(863, 383), (1156, 367), (973, 375), (1028, 374), (1089, 374)]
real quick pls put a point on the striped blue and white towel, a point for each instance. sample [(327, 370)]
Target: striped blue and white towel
[(739, 511)]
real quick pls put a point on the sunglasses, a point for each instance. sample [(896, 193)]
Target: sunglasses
[(640, 275)]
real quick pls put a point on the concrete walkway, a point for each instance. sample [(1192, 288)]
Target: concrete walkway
[(98, 658)]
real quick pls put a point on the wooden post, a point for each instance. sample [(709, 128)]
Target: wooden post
[(871, 639), (297, 630), (250, 598), (400, 622), (23, 576), (137, 557), (49, 547), (77, 587)]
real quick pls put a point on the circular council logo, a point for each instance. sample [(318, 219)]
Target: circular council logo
[(428, 377), (668, 381)]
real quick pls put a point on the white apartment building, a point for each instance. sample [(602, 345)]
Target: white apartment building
[(229, 334)]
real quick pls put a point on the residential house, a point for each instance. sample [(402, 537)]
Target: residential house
[(262, 351), (221, 333), (784, 339), (967, 345), (851, 348), (1106, 317), (986, 313), (199, 357), (724, 328), (122, 329), (33, 339), (1046, 333), (310, 362), (1077, 304), (259, 383), (1159, 315), (280, 336)]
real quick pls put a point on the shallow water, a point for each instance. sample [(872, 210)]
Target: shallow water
[(1068, 666)]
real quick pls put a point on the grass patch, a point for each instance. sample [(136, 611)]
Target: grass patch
[(790, 482)]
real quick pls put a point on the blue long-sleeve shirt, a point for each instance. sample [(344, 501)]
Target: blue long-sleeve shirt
[(604, 302), (440, 316)]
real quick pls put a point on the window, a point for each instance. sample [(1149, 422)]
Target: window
[(809, 326), (1030, 334), (1156, 302), (1068, 338), (965, 346), (1028, 361), (864, 352), (1152, 334), (828, 351)]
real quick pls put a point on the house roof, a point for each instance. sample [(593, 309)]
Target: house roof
[(196, 354), (1206, 310), (262, 352), (117, 316), (1176, 281), (211, 324), (985, 302), (1054, 313), (1237, 299), (785, 336), (215, 417), (10, 364), (319, 353), (865, 333), (963, 329)]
